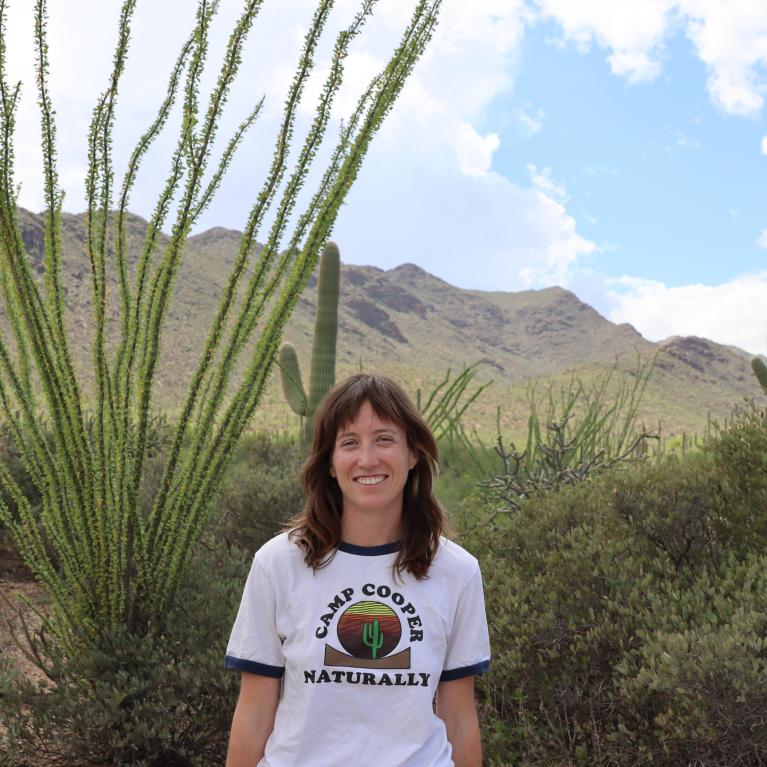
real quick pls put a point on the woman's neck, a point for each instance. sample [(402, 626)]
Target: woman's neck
[(363, 530)]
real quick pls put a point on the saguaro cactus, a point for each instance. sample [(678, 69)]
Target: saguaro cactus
[(372, 637), (760, 371), (323, 367)]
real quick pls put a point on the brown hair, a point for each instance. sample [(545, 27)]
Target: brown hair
[(317, 529)]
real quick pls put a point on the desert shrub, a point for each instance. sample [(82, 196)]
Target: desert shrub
[(261, 490), (457, 488), (628, 616), (158, 699), (699, 676), (740, 452), (575, 431)]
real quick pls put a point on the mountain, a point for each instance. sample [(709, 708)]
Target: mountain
[(416, 326)]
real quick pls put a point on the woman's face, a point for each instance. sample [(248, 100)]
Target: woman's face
[(371, 460)]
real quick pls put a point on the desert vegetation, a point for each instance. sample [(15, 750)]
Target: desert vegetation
[(625, 581), (628, 613), (109, 529), (625, 600)]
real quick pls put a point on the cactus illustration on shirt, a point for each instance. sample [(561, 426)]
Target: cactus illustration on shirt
[(372, 637)]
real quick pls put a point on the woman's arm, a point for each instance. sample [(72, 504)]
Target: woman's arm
[(253, 719), (457, 709)]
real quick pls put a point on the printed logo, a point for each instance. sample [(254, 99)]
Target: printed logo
[(369, 632)]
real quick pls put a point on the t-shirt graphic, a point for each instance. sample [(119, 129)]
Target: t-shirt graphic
[(368, 631)]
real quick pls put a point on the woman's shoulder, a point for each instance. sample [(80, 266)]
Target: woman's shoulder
[(453, 558), (279, 551)]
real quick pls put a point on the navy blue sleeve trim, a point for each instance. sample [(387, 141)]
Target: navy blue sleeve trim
[(252, 667), (460, 673)]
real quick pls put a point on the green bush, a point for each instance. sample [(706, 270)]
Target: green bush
[(628, 616), (261, 490), (163, 699), (158, 700), (740, 452), (700, 674)]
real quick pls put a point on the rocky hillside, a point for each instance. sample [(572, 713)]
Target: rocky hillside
[(415, 325)]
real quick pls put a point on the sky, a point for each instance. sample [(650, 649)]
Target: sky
[(618, 150)]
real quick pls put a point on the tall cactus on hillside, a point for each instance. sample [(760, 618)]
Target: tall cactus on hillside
[(760, 371), (323, 366)]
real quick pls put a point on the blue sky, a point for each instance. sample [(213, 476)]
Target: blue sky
[(616, 149), (656, 174)]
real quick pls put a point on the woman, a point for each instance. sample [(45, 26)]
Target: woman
[(361, 610)]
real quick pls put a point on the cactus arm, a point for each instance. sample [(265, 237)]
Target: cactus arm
[(760, 371), (290, 372)]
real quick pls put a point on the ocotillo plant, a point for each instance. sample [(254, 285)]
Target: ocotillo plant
[(444, 409), (104, 562), (760, 371), (323, 369), (573, 432)]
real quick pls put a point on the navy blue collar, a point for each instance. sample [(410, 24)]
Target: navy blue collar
[(368, 551)]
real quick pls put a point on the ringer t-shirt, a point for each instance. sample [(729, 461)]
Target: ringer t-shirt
[(360, 655)]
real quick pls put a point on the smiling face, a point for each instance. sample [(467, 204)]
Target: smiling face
[(371, 460)]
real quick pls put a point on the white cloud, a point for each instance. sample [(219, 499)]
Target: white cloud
[(636, 66), (453, 214), (596, 169), (730, 313), (764, 145), (471, 61), (762, 239), (81, 36), (562, 247), (543, 181), (683, 141), (730, 38), (530, 123), (483, 232), (475, 152), (634, 32)]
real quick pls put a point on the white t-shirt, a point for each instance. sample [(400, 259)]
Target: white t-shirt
[(361, 654)]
